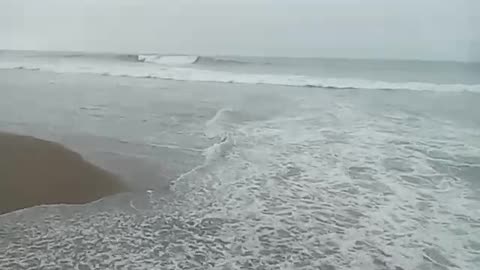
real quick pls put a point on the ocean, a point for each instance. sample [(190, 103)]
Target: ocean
[(252, 163)]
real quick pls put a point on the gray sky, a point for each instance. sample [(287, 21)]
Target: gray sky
[(404, 29)]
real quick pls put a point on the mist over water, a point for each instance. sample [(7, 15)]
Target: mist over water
[(408, 29)]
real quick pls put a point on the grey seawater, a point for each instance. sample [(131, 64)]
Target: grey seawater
[(251, 177), (373, 70)]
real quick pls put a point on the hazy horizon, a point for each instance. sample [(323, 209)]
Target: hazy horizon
[(431, 30), (86, 52)]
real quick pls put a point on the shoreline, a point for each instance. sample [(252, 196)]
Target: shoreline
[(37, 172)]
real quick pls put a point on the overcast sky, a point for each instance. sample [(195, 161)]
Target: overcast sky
[(402, 29)]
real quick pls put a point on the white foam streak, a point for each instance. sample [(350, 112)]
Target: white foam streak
[(212, 127), (218, 149), (139, 70), (169, 60)]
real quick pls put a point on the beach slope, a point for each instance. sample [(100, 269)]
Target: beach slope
[(37, 172)]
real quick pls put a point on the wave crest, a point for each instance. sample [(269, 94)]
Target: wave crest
[(180, 68), (175, 60), (169, 60)]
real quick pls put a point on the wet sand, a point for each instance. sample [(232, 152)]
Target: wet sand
[(37, 172)]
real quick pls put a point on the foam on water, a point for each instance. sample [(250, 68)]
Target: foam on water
[(213, 127), (289, 179), (334, 197), (173, 68), (324, 206), (213, 153), (172, 60)]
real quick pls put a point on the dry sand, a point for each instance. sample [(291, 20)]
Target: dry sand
[(35, 172)]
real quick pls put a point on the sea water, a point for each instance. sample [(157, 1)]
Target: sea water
[(259, 163)]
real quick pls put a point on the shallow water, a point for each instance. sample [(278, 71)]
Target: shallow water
[(251, 177)]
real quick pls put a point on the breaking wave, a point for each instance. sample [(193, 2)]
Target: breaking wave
[(200, 75), (168, 59), (175, 60), (185, 68)]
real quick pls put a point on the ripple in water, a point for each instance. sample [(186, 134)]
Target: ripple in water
[(283, 192)]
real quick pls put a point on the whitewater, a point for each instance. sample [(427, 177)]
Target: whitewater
[(243, 70), (251, 163)]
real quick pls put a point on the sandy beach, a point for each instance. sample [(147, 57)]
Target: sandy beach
[(37, 172)]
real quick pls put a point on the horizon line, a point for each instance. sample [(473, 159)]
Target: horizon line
[(253, 56)]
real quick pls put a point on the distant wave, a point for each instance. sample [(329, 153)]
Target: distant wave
[(221, 60), (175, 60), (183, 70), (169, 60)]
